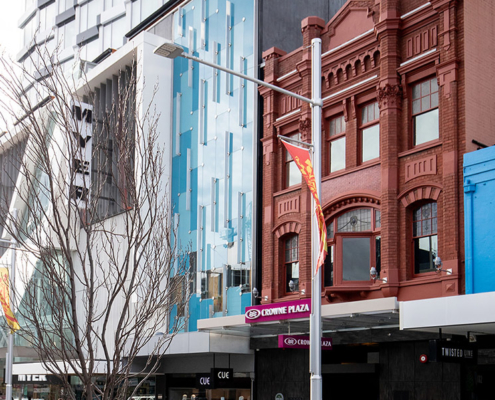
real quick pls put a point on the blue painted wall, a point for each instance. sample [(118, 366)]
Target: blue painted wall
[(479, 220), (213, 159)]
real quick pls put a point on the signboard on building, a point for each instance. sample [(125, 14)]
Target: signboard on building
[(217, 378), (301, 342), (452, 351), (36, 379), (82, 146), (278, 311)]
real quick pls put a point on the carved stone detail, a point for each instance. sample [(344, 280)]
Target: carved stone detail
[(389, 96), (290, 205), (421, 167), (305, 129)]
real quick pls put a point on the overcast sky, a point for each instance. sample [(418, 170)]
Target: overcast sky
[(10, 11)]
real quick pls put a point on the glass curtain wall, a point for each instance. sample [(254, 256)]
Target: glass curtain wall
[(213, 169)]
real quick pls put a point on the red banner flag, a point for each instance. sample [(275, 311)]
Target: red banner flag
[(302, 159), (5, 300)]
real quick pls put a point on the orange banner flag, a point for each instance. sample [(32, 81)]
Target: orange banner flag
[(5, 300), (303, 161)]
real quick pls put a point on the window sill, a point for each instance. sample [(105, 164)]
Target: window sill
[(428, 277), (346, 290), (288, 190), (344, 171), (421, 147)]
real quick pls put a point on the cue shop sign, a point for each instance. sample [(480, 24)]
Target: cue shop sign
[(452, 351), (217, 378)]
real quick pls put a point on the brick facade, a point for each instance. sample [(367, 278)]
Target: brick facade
[(372, 52)]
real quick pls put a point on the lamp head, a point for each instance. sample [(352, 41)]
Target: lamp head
[(169, 50), (255, 292)]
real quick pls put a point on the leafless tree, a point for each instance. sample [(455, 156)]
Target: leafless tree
[(101, 281)]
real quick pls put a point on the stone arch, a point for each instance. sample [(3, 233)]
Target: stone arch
[(367, 62), (287, 227), (358, 66), (421, 192), (376, 58), (350, 200)]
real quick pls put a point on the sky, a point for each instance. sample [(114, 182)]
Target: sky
[(10, 12)]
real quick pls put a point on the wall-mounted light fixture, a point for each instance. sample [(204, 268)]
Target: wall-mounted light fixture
[(438, 266), (374, 276), (257, 296)]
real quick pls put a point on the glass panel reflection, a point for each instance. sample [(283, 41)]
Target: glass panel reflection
[(355, 259)]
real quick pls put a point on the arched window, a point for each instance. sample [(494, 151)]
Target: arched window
[(291, 263), (425, 239), (353, 246)]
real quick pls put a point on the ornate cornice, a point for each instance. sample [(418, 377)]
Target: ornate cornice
[(350, 202)]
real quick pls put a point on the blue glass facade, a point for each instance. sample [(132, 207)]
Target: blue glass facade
[(479, 219), (213, 155)]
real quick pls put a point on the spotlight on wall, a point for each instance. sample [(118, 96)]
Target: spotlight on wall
[(257, 296), (438, 266), (374, 275)]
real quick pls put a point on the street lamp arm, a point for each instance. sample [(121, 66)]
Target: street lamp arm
[(251, 79)]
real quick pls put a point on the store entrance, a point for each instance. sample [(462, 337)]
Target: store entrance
[(353, 386), (208, 394)]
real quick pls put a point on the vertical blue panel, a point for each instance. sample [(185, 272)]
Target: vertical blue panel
[(207, 161), (479, 219)]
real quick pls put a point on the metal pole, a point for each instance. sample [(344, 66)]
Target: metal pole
[(249, 78), (9, 357), (315, 319)]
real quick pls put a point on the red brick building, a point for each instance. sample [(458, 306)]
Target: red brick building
[(395, 125)]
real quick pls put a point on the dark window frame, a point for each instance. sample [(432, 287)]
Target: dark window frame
[(335, 244), (288, 162), (423, 111), (415, 238), (334, 137), (289, 263), (364, 125)]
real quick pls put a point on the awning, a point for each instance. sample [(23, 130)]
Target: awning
[(455, 315), (339, 317)]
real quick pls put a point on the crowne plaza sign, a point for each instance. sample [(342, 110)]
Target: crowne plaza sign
[(278, 311)]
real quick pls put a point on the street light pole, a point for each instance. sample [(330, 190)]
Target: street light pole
[(9, 358), (315, 318), (171, 50)]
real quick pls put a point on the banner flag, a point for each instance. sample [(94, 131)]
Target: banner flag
[(5, 300), (302, 159)]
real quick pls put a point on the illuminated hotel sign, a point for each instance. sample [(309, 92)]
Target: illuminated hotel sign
[(301, 342), (278, 311)]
